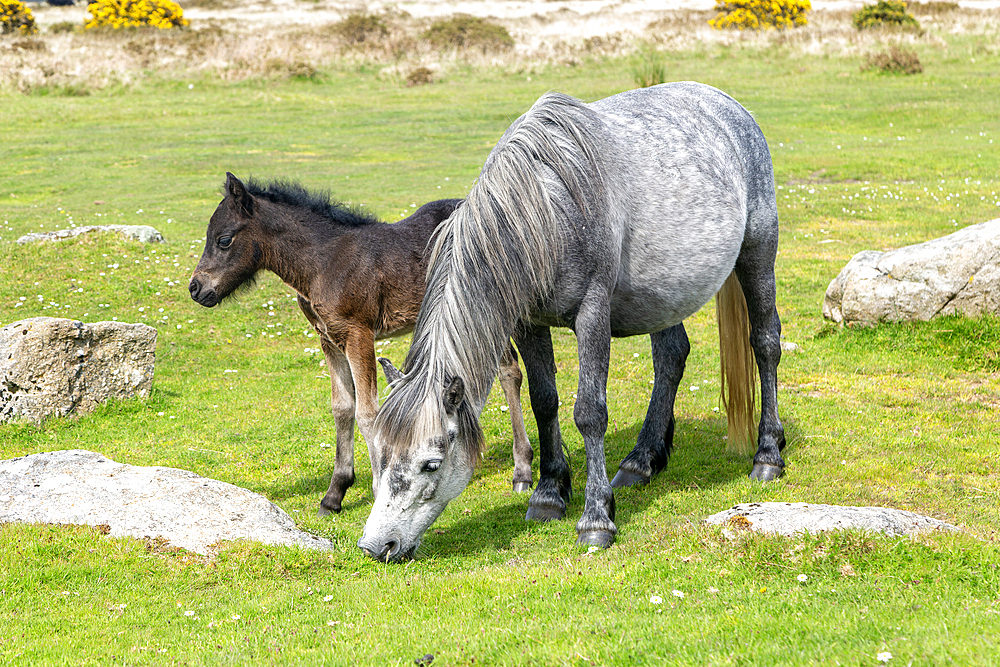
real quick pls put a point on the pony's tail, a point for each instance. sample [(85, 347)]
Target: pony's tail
[(739, 370)]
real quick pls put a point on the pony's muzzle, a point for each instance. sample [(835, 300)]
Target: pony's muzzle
[(383, 550)]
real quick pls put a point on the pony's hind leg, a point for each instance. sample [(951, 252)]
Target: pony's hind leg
[(670, 351), (510, 380), (755, 271), (554, 487)]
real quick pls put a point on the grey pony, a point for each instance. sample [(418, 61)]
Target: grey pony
[(616, 218)]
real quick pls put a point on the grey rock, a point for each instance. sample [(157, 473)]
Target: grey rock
[(56, 367), (791, 518), (187, 510), (958, 273), (143, 233)]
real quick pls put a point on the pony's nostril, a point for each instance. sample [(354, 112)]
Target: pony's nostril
[(194, 287), (390, 549)]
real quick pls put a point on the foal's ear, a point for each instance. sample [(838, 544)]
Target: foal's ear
[(454, 394), (392, 374), (238, 192)]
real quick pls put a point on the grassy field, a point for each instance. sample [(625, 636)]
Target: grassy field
[(902, 415)]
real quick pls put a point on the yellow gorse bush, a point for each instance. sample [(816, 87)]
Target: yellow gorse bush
[(162, 14), (16, 17), (760, 14)]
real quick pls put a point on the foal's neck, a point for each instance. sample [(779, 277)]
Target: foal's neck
[(300, 252)]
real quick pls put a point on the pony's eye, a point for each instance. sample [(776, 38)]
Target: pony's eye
[(431, 466), (225, 241)]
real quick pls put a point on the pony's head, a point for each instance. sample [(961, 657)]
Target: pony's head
[(428, 439), (233, 250)]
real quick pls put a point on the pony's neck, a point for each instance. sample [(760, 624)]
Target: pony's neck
[(495, 259), (462, 330)]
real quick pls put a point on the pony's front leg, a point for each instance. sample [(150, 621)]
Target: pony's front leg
[(554, 487), (593, 333), (510, 380), (342, 406)]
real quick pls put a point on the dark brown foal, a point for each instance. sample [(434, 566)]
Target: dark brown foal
[(357, 279)]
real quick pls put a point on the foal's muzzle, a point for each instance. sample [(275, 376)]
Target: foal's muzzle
[(206, 296)]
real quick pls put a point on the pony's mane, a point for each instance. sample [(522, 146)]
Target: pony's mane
[(292, 194), (494, 260)]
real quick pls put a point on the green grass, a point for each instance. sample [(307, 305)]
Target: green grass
[(902, 415)]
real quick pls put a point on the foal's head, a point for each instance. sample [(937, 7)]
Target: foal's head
[(233, 247)]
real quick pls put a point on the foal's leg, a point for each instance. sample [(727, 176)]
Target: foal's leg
[(593, 335), (670, 351), (755, 270), (510, 380), (360, 351), (554, 487), (342, 406)]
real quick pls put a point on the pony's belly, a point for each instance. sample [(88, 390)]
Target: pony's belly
[(664, 278), (641, 312)]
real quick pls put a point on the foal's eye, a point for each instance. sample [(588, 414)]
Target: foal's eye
[(431, 466), (225, 241)]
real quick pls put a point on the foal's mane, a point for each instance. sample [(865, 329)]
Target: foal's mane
[(493, 261), (289, 193)]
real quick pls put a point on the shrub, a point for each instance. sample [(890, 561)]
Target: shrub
[(934, 7), (896, 60), (63, 26), (29, 45), (358, 28), (162, 14), (419, 77), (650, 72), (603, 43), (280, 68), (16, 17), (469, 32), (886, 12), (760, 14)]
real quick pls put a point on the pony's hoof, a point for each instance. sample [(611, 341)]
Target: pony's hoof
[(544, 513), (522, 487), (765, 472), (596, 538), (625, 478), (322, 511)]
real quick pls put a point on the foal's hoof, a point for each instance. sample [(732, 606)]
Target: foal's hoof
[(765, 472), (548, 513), (625, 478), (596, 538), (327, 508), (522, 487)]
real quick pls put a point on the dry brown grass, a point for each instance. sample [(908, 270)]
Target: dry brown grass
[(233, 49)]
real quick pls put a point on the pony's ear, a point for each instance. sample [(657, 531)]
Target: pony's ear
[(238, 192), (392, 374), (454, 394)]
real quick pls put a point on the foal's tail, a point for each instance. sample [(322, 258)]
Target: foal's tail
[(739, 370)]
